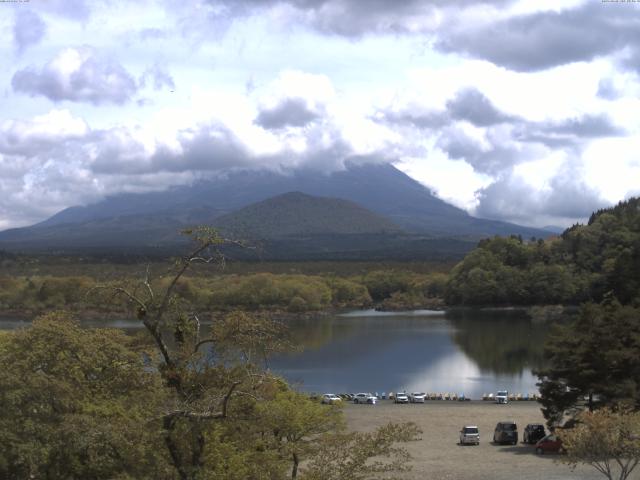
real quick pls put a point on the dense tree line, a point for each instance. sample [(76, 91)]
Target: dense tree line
[(249, 292), (584, 263)]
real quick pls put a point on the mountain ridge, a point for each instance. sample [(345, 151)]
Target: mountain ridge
[(150, 220)]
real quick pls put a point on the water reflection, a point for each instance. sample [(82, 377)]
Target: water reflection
[(503, 342), (468, 352)]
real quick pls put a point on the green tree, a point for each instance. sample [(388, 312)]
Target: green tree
[(208, 380), (592, 362), (77, 403), (607, 440), (297, 423)]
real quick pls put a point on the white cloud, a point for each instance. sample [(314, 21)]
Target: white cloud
[(78, 75)]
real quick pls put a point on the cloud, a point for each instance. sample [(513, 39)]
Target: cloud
[(52, 161), (607, 89), (78, 10), (472, 129), (77, 75), (211, 19), (28, 29), (468, 104), (152, 34), (566, 199), (28, 138), (356, 18), (291, 112), (160, 76), (587, 126), (414, 116), (208, 147), (471, 105), (547, 39), (40, 166), (571, 132), (489, 152)]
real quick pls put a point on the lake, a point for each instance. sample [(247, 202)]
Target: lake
[(467, 352), (470, 352)]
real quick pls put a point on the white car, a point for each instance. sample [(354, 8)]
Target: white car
[(401, 398), (470, 435), (330, 398), (502, 396), (417, 397), (364, 398)]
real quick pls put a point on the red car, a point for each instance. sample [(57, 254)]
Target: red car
[(549, 444)]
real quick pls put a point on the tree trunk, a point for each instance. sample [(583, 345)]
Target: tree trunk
[(174, 451), (294, 470)]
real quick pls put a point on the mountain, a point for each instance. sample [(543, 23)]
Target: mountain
[(554, 229), (296, 214), (153, 220)]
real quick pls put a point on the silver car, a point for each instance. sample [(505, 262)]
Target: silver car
[(470, 435), (401, 398), (364, 398), (417, 397), (330, 398)]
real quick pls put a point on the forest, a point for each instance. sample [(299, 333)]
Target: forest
[(585, 263)]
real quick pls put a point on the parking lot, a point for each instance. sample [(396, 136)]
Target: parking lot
[(438, 456)]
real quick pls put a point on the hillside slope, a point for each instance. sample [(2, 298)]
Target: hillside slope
[(298, 214)]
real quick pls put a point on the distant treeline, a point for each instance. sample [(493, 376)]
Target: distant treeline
[(258, 291), (586, 263)]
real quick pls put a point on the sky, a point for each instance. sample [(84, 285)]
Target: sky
[(526, 111)]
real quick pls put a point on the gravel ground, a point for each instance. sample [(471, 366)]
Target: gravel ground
[(438, 456)]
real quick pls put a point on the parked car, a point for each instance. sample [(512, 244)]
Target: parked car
[(549, 444), (417, 397), (533, 432), (401, 398), (470, 435), (502, 396), (506, 432), (330, 398), (364, 398)]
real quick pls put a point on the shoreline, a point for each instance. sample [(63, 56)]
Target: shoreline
[(93, 314)]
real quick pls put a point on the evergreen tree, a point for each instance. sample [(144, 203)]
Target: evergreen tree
[(593, 362)]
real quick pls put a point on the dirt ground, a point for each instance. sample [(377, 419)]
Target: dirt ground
[(437, 456)]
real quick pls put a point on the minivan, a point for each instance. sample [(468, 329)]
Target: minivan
[(506, 432)]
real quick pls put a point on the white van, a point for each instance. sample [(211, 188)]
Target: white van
[(502, 396)]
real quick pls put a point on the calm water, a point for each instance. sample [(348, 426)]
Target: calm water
[(471, 353), (467, 352)]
